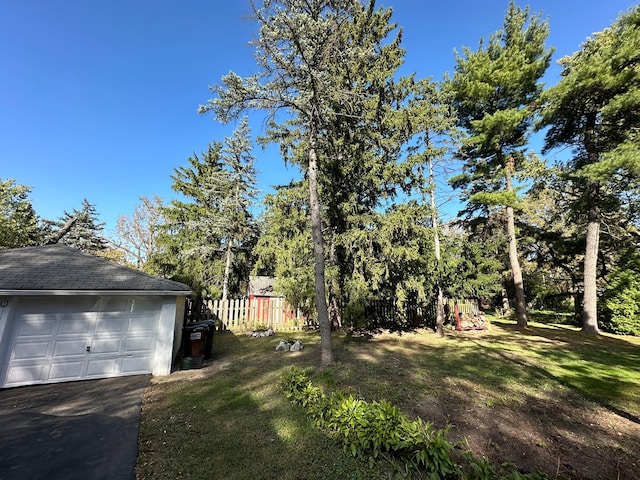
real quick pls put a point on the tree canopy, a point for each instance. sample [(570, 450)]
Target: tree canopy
[(19, 224)]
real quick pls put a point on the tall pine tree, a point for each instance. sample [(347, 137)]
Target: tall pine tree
[(595, 109), (240, 196), (496, 88)]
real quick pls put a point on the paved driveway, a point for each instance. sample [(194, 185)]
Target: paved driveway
[(78, 430)]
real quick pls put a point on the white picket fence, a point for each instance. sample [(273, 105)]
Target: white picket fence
[(247, 314)]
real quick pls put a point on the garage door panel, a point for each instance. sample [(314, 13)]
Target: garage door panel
[(111, 322), (106, 345), (71, 347), (26, 374), (142, 323), (140, 344), (133, 365), (37, 324), (103, 367), (79, 323), (66, 370), (30, 350)]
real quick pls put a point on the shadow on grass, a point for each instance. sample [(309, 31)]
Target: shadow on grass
[(514, 396), (495, 389), (234, 422), (604, 369)]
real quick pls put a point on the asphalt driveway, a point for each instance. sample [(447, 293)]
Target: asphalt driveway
[(78, 430)]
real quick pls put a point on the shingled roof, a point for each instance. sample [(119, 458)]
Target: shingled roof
[(64, 270)]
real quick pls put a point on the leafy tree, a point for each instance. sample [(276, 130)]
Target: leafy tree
[(80, 229), (553, 242), (436, 123), (313, 57), (595, 109), (366, 168), (114, 255), (471, 263), (495, 90), (622, 297), (136, 235), (19, 225)]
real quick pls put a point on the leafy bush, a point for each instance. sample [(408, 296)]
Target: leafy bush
[(378, 429), (373, 429)]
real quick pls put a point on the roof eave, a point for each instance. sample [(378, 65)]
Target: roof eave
[(155, 293)]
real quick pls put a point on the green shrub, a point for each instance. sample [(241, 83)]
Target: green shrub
[(621, 301), (373, 429), (378, 429)]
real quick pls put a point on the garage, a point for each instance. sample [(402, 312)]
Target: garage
[(66, 315)]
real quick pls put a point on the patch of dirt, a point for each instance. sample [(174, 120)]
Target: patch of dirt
[(562, 434), (208, 370), (556, 436), (557, 432)]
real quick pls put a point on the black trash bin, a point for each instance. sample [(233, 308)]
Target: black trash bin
[(210, 326), (194, 340)]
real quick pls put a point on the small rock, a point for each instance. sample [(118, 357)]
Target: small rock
[(297, 346)]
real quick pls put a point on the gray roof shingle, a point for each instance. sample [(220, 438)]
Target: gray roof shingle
[(61, 268)]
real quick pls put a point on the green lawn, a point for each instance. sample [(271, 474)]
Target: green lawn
[(230, 420)]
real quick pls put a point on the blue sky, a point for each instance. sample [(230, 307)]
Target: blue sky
[(98, 99)]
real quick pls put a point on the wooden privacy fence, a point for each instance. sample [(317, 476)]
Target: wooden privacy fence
[(256, 313), (245, 314)]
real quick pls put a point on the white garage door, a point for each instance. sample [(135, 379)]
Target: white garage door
[(74, 338)]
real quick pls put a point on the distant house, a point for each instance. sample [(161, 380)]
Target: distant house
[(67, 315)]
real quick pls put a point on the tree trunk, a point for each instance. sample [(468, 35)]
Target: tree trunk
[(227, 269), (521, 305), (436, 245), (326, 355), (57, 236), (590, 302)]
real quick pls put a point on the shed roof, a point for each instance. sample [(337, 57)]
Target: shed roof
[(58, 269)]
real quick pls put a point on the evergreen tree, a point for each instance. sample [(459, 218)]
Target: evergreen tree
[(595, 109), (285, 245), (473, 260), (436, 123), (495, 90), (314, 58), (205, 230), (240, 196), (190, 239), (80, 229), (19, 226)]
